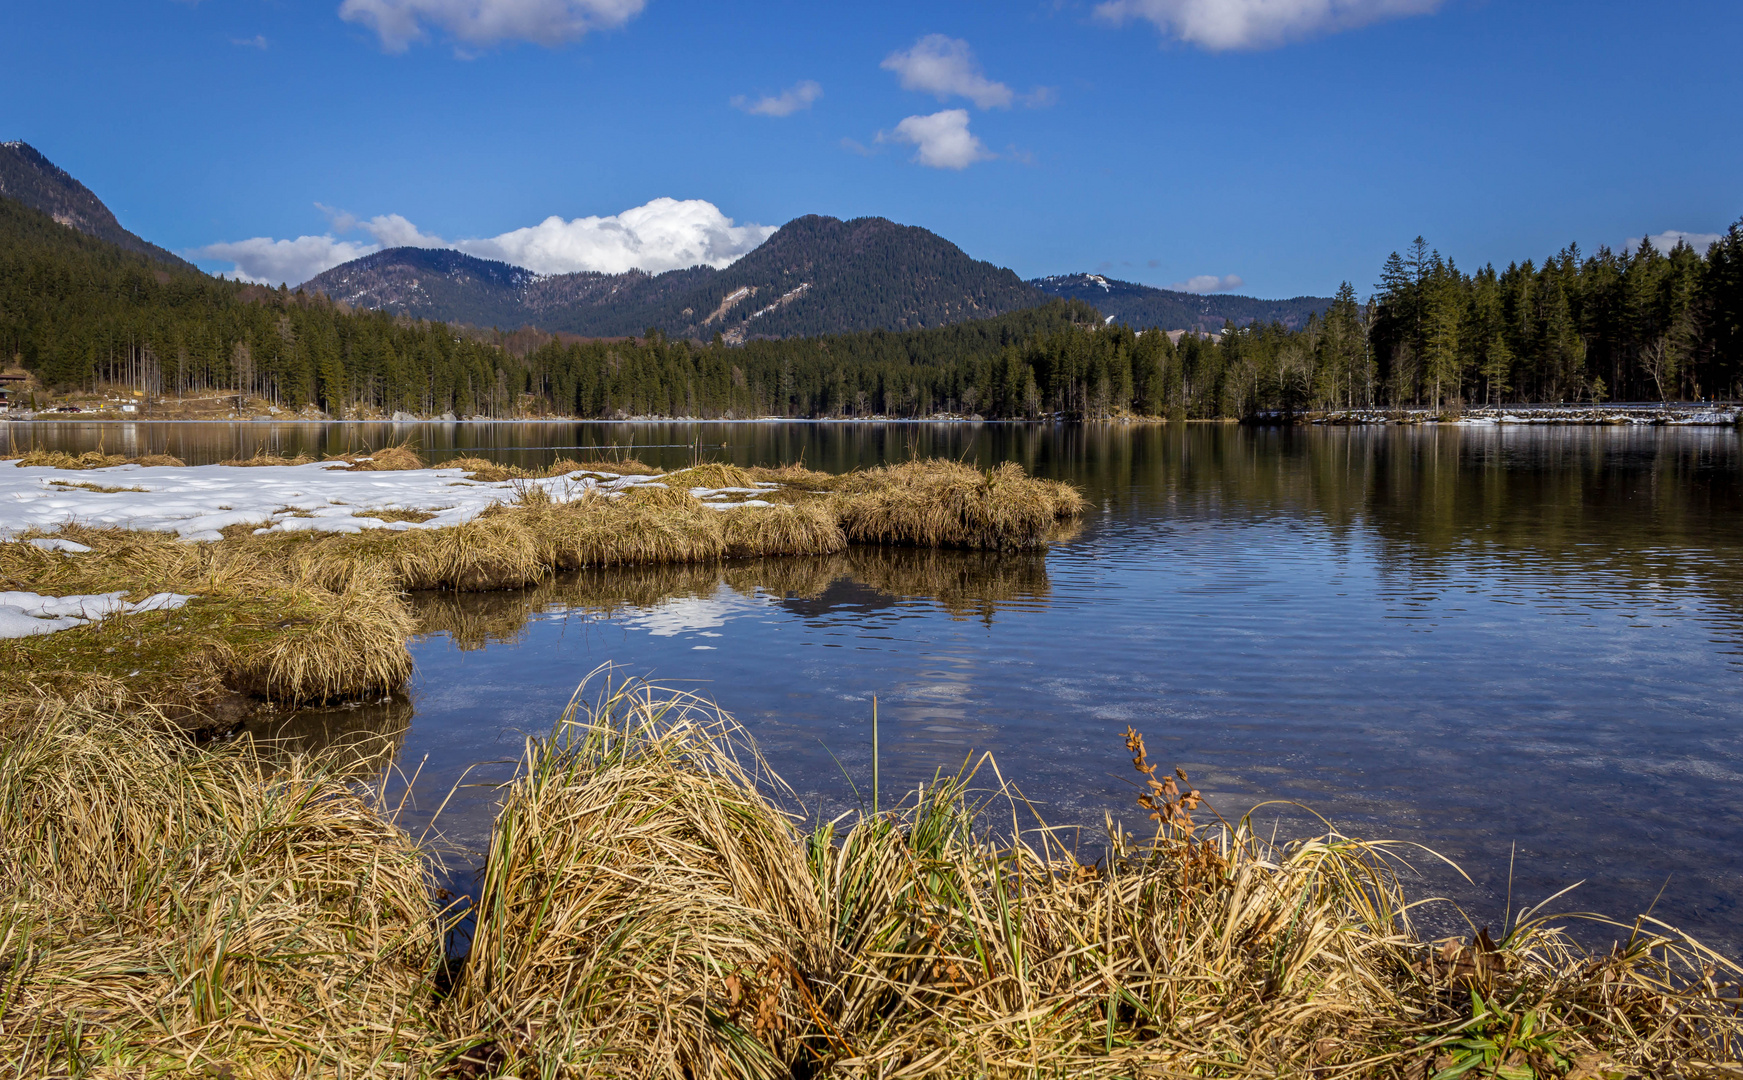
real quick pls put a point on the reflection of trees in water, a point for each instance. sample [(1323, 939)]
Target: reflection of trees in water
[(965, 584), (1650, 506), (361, 736)]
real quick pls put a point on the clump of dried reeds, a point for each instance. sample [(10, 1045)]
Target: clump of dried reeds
[(948, 504), (267, 458), (203, 912), (803, 529), (90, 459), (261, 623), (711, 475), (394, 458), (643, 916), (646, 911)]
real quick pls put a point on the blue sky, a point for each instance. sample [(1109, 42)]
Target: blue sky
[(1289, 144)]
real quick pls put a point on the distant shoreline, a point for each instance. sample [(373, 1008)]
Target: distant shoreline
[(1672, 414)]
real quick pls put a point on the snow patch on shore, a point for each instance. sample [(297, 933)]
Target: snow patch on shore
[(26, 614), (196, 502)]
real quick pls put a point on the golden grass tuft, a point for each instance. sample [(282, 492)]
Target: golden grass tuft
[(264, 458), (781, 530), (648, 910), (947, 504), (159, 461), (645, 912), (713, 476), (625, 466), (55, 459), (171, 910), (262, 624)]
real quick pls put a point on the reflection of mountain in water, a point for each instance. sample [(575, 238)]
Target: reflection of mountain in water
[(965, 584)]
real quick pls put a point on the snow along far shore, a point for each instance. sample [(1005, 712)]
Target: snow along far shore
[(197, 501)]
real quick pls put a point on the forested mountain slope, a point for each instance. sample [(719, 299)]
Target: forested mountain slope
[(1142, 306), (816, 275), (83, 313), (38, 183)]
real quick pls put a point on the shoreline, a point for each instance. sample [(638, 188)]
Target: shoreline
[(297, 570), (1675, 413)]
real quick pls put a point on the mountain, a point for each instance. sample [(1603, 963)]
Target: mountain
[(815, 275), (35, 181), (1141, 306)]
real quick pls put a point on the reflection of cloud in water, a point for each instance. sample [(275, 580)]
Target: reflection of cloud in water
[(686, 614)]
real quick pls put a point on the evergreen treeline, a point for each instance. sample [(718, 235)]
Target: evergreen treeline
[(80, 313)]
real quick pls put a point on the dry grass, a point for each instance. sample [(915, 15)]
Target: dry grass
[(262, 625), (947, 504), (781, 530), (202, 913), (90, 459), (650, 909), (99, 488), (643, 915), (712, 476), (416, 516), (266, 458), (398, 458), (487, 471), (644, 909)]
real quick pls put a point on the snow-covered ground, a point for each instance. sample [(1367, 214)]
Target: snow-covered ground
[(24, 614), (197, 501)]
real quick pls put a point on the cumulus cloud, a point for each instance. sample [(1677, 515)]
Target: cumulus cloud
[(946, 67), (258, 41), (1220, 25), (1209, 283), (665, 234), (943, 139), (399, 23), (266, 261), (789, 101), (1666, 241)]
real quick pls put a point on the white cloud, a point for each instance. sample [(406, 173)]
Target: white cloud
[(943, 139), (392, 230), (1219, 25), (1209, 283), (258, 41), (789, 101), (946, 67), (665, 234), (1667, 240), (399, 23), (284, 262)]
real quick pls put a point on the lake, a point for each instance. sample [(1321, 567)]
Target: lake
[(1520, 647)]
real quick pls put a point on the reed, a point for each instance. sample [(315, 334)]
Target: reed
[(643, 906), (260, 625), (165, 910), (264, 458), (650, 909), (90, 459), (948, 504)]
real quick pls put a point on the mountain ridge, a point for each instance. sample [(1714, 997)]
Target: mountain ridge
[(815, 275), (32, 179), (1144, 306)]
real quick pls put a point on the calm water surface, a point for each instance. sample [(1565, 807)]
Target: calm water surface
[(1522, 648)]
